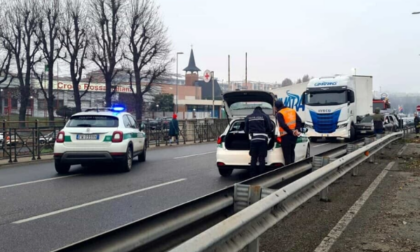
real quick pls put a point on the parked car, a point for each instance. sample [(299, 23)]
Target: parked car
[(233, 145), (48, 138)]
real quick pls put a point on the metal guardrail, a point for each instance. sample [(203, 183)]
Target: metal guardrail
[(243, 228), (169, 228)]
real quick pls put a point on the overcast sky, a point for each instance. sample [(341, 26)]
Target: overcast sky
[(292, 38)]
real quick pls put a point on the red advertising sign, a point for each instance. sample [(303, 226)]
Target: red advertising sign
[(418, 108)]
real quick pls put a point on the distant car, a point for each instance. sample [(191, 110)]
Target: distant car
[(48, 138), (365, 126)]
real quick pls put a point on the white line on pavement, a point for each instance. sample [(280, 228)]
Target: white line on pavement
[(200, 154), (97, 201), (336, 232), (320, 145), (38, 181)]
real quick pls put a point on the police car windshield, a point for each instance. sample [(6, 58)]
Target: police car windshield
[(95, 121), (246, 108), (328, 98)]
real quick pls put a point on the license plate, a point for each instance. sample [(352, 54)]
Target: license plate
[(363, 131), (88, 137)]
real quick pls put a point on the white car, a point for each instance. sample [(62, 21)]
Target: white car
[(96, 136), (233, 145)]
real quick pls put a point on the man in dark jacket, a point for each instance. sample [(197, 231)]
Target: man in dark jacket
[(417, 123), (289, 123), (378, 122), (173, 130), (258, 125)]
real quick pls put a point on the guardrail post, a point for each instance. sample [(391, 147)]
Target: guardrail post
[(369, 140), (245, 195), (317, 163), (350, 149)]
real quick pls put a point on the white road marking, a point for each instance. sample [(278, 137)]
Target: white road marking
[(402, 151), (320, 145), (200, 154), (97, 201), (336, 232), (38, 181)]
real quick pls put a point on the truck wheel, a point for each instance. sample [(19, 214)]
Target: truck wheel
[(127, 162), (225, 172), (61, 168), (352, 134)]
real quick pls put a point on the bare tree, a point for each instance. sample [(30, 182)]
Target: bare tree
[(47, 34), (108, 33), (19, 26), (74, 38), (5, 60), (149, 48)]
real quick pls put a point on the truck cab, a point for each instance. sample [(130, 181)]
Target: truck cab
[(332, 105)]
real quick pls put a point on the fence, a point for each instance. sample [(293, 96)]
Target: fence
[(36, 138)]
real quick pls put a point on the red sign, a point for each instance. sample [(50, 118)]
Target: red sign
[(418, 108)]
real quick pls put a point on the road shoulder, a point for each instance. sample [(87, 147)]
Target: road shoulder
[(390, 219)]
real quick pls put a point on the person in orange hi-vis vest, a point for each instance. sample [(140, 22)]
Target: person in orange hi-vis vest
[(289, 123)]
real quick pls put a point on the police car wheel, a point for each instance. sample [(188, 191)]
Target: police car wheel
[(127, 162), (225, 172), (142, 156), (61, 168)]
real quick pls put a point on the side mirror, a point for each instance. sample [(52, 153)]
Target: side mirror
[(350, 96), (142, 127), (303, 98), (304, 130)]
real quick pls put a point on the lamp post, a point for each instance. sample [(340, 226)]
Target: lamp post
[(212, 83), (416, 12), (178, 53)]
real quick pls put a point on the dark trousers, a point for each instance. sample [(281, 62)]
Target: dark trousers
[(417, 130), (258, 152), (288, 144)]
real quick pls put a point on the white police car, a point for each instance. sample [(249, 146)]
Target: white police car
[(100, 135), (233, 145)]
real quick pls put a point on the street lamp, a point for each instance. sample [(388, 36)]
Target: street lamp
[(416, 12), (178, 53)]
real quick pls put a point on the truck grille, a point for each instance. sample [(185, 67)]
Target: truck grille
[(325, 123)]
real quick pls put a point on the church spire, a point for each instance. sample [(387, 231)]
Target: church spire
[(191, 65)]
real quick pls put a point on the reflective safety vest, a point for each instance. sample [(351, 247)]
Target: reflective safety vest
[(289, 116)]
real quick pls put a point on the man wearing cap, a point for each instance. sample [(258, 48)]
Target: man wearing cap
[(258, 126), (289, 123), (174, 130)]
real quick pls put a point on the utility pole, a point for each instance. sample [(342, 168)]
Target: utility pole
[(178, 53), (229, 87), (246, 69)]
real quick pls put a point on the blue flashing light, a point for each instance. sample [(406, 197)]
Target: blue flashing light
[(118, 109)]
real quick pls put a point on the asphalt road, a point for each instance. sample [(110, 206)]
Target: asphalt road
[(41, 211)]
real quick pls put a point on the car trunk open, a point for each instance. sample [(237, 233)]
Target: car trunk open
[(236, 139), (239, 104)]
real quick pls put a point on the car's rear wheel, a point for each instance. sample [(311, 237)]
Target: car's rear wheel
[(142, 156), (127, 162), (308, 152), (225, 172), (61, 168)]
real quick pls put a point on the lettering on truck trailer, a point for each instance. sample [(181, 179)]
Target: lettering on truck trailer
[(293, 101), (323, 84)]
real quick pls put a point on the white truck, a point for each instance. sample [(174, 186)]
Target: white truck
[(292, 97), (333, 105)]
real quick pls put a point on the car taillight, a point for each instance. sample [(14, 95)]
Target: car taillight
[(117, 137), (60, 137), (219, 140), (220, 164), (278, 139)]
